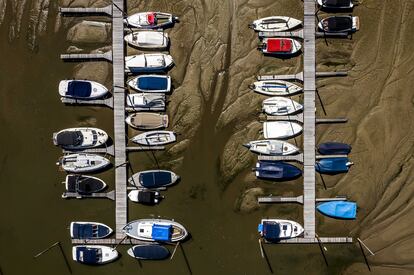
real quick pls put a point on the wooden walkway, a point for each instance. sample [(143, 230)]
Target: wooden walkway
[(73, 195), (87, 56), (298, 199), (105, 150), (86, 11), (299, 76), (109, 102)]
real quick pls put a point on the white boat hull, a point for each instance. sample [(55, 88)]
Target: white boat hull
[(148, 63), (351, 5), (280, 106), (275, 88), (108, 253), (134, 84), (146, 102), (155, 138), (275, 24), (97, 91), (281, 129), (150, 20), (91, 137), (294, 229), (132, 229), (272, 147), (95, 223), (296, 47), (147, 39), (83, 163)]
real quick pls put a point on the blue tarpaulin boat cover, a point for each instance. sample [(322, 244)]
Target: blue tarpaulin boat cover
[(151, 252), (79, 89), (338, 209), (161, 232), (271, 231), (155, 179), (152, 83), (87, 255), (88, 231), (332, 165), (334, 148), (277, 170)]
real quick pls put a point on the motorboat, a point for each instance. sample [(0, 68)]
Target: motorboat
[(94, 254), (280, 46), (339, 23), (274, 230), (156, 230), (149, 252), (272, 147), (84, 184), (151, 83), (281, 129), (89, 230), (148, 39), (334, 148), (145, 197), (275, 24), (148, 63), (146, 102), (80, 138), (83, 163), (336, 4), (147, 121), (275, 87), (333, 165), (151, 20), (281, 106), (338, 209), (277, 170), (155, 138), (82, 89), (153, 179)]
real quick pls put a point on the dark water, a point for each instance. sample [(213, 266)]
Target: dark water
[(33, 216)]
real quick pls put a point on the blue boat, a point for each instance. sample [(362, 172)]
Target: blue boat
[(94, 254), (151, 83), (277, 170), (334, 148), (333, 165), (338, 209), (153, 179), (89, 230), (149, 252)]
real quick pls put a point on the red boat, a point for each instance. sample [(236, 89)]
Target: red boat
[(280, 46)]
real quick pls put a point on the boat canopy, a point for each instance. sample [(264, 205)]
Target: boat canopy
[(277, 170), (155, 179), (146, 197), (152, 83), (72, 138), (79, 88), (81, 184), (153, 252), (337, 3), (338, 209), (334, 148), (339, 23), (271, 231), (161, 232), (88, 255), (279, 45), (87, 231), (332, 165)]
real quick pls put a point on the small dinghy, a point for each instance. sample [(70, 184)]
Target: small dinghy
[(280, 106), (279, 46), (272, 147), (275, 24), (336, 4), (80, 138), (89, 230), (334, 148), (82, 89), (274, 230), (146, 102), (338, 209), (148, 40), (84, 184), (145, 197), (148, 63), (275, 87), (151, 83), (343, 23), (149, 252), (83, 163), (281, 129), (333, 165), (276, 170), (151, 20), (156, 230), (147, 121), (155, 138), (94, 254), (153, 179)]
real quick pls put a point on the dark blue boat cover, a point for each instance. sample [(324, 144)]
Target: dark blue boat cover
[(277, 170), (271, 231), (338, 209), (334, 148), (151, 252), (88, 255), (79, 89), (161, 232), (339, 23), (89, 231), (155, 179), (152, 83), (337, 3), (332, 165)]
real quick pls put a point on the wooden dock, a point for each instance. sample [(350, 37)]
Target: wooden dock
[(87, 56), (299, 76), (87, 11), (105, 150), (298, 199), (294, 34), (109, 102), (74, 195)]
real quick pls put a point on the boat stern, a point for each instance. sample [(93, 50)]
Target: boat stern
[(63, 87), (108, 254), (355, 23)]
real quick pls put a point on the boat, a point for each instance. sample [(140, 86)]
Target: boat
[(148, 40), (272, 147), (338, 209), (94, 254), (279, 46), (149, 252), (336, 4), (89, 230), (333, 165), (147, 121), (277, 170), (281, 129), (84, 184), (275, 87), (155, 138), (151, 20), (146, 102), (156, 230), (145, 196), (334, 148), (151, 83), (280, 106), (148, 63), (275, 24), (82, 89), (83, 163), (80, 138), (274, 230), (153, 179), (342, 23)]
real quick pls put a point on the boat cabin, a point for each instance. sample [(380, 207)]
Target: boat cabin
[(157, 232)]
